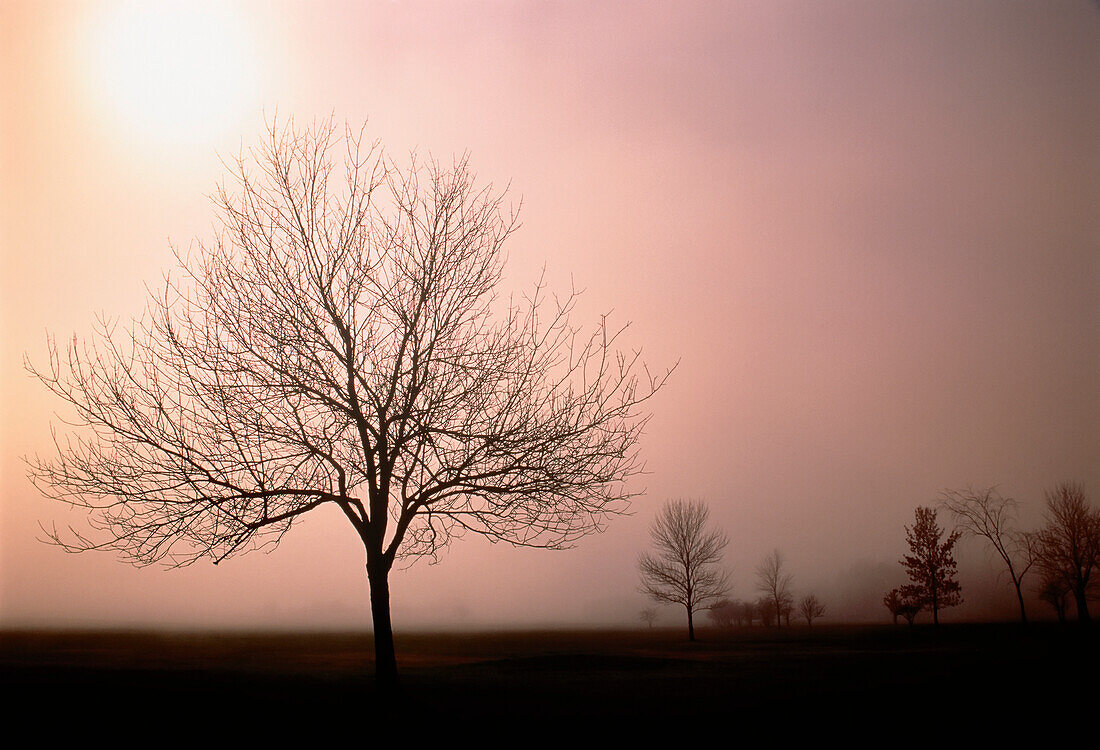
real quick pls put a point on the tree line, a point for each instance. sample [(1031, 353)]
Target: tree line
[(684, 568), (685, 565)]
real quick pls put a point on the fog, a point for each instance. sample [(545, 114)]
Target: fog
[(865, 234)]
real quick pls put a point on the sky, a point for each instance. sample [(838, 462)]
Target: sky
[(865, 233)]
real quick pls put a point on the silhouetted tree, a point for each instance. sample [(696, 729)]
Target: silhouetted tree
[(746, 613), (987, 514), (901, 601), (910, 607), (723, 613), (931, 564), (1054, 590), (765, 610), (342, 343), (648, 616), (810, 608), (787, 610), (1068, 545), (683, 570), (892, 601), (775, 584)]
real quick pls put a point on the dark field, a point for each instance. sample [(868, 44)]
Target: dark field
[(977, 674)]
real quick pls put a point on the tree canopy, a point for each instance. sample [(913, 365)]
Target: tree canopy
[(931, 564), (343, 341)]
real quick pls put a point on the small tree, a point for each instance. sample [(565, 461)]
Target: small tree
[(1055, 591), (910, 606), (648, 616), (787, 609), (1068, 545), (988, 515), (810, 608), (723, 613), (931, 564), (902, 602), (746, 613), (683, 569), (775, 584), (765, 610), (892, 601)]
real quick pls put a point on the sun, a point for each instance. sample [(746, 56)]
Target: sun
[(175, 71)]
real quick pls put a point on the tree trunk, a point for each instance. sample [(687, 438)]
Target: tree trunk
[(1081, 600), (1020, 597), (691, 626), (385, 658)]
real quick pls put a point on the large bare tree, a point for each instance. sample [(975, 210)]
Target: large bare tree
[(991, 516), (684, 567), (342, 342), (1068, 545)]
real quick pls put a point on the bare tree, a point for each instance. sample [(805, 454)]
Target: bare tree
[(989, 515), (764, 608), (724, 613), (746, 612), (775, 585), (931, 564), (1068, 545), (1054, 590), (683, 570), (341, 342), (648, 616), (810, 608)]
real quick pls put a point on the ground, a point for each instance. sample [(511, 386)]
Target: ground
[(975, 676)]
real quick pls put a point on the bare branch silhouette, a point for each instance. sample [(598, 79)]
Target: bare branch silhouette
[(342, 342), (1068, 546), (989, 515), (683, 569), (776, 586)]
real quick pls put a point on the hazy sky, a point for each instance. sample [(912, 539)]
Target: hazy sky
[(868, 231)]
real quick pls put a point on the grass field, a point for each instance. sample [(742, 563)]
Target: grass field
[(997, 673)]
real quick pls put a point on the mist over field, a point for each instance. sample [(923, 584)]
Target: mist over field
[(864, 234)]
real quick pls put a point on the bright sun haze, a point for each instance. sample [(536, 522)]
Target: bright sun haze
[(175, 71)]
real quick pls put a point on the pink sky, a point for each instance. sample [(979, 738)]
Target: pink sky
[(867, 231)]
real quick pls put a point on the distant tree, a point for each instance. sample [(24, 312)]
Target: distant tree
[(786, 609), (902, 602), (648, 616), (775, 584), (987, 514), (931, 564), (1054, 590), (684, 568), (810, 608), (746, 613), (892, 600), (765, 610), (723, 613), (911, 605), (1068, 545)]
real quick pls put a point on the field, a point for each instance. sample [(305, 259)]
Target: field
[(866, 674)]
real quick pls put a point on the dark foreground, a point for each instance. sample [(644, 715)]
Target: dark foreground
[(996, 675)]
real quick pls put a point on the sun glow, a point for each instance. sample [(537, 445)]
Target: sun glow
[(178, 71)]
